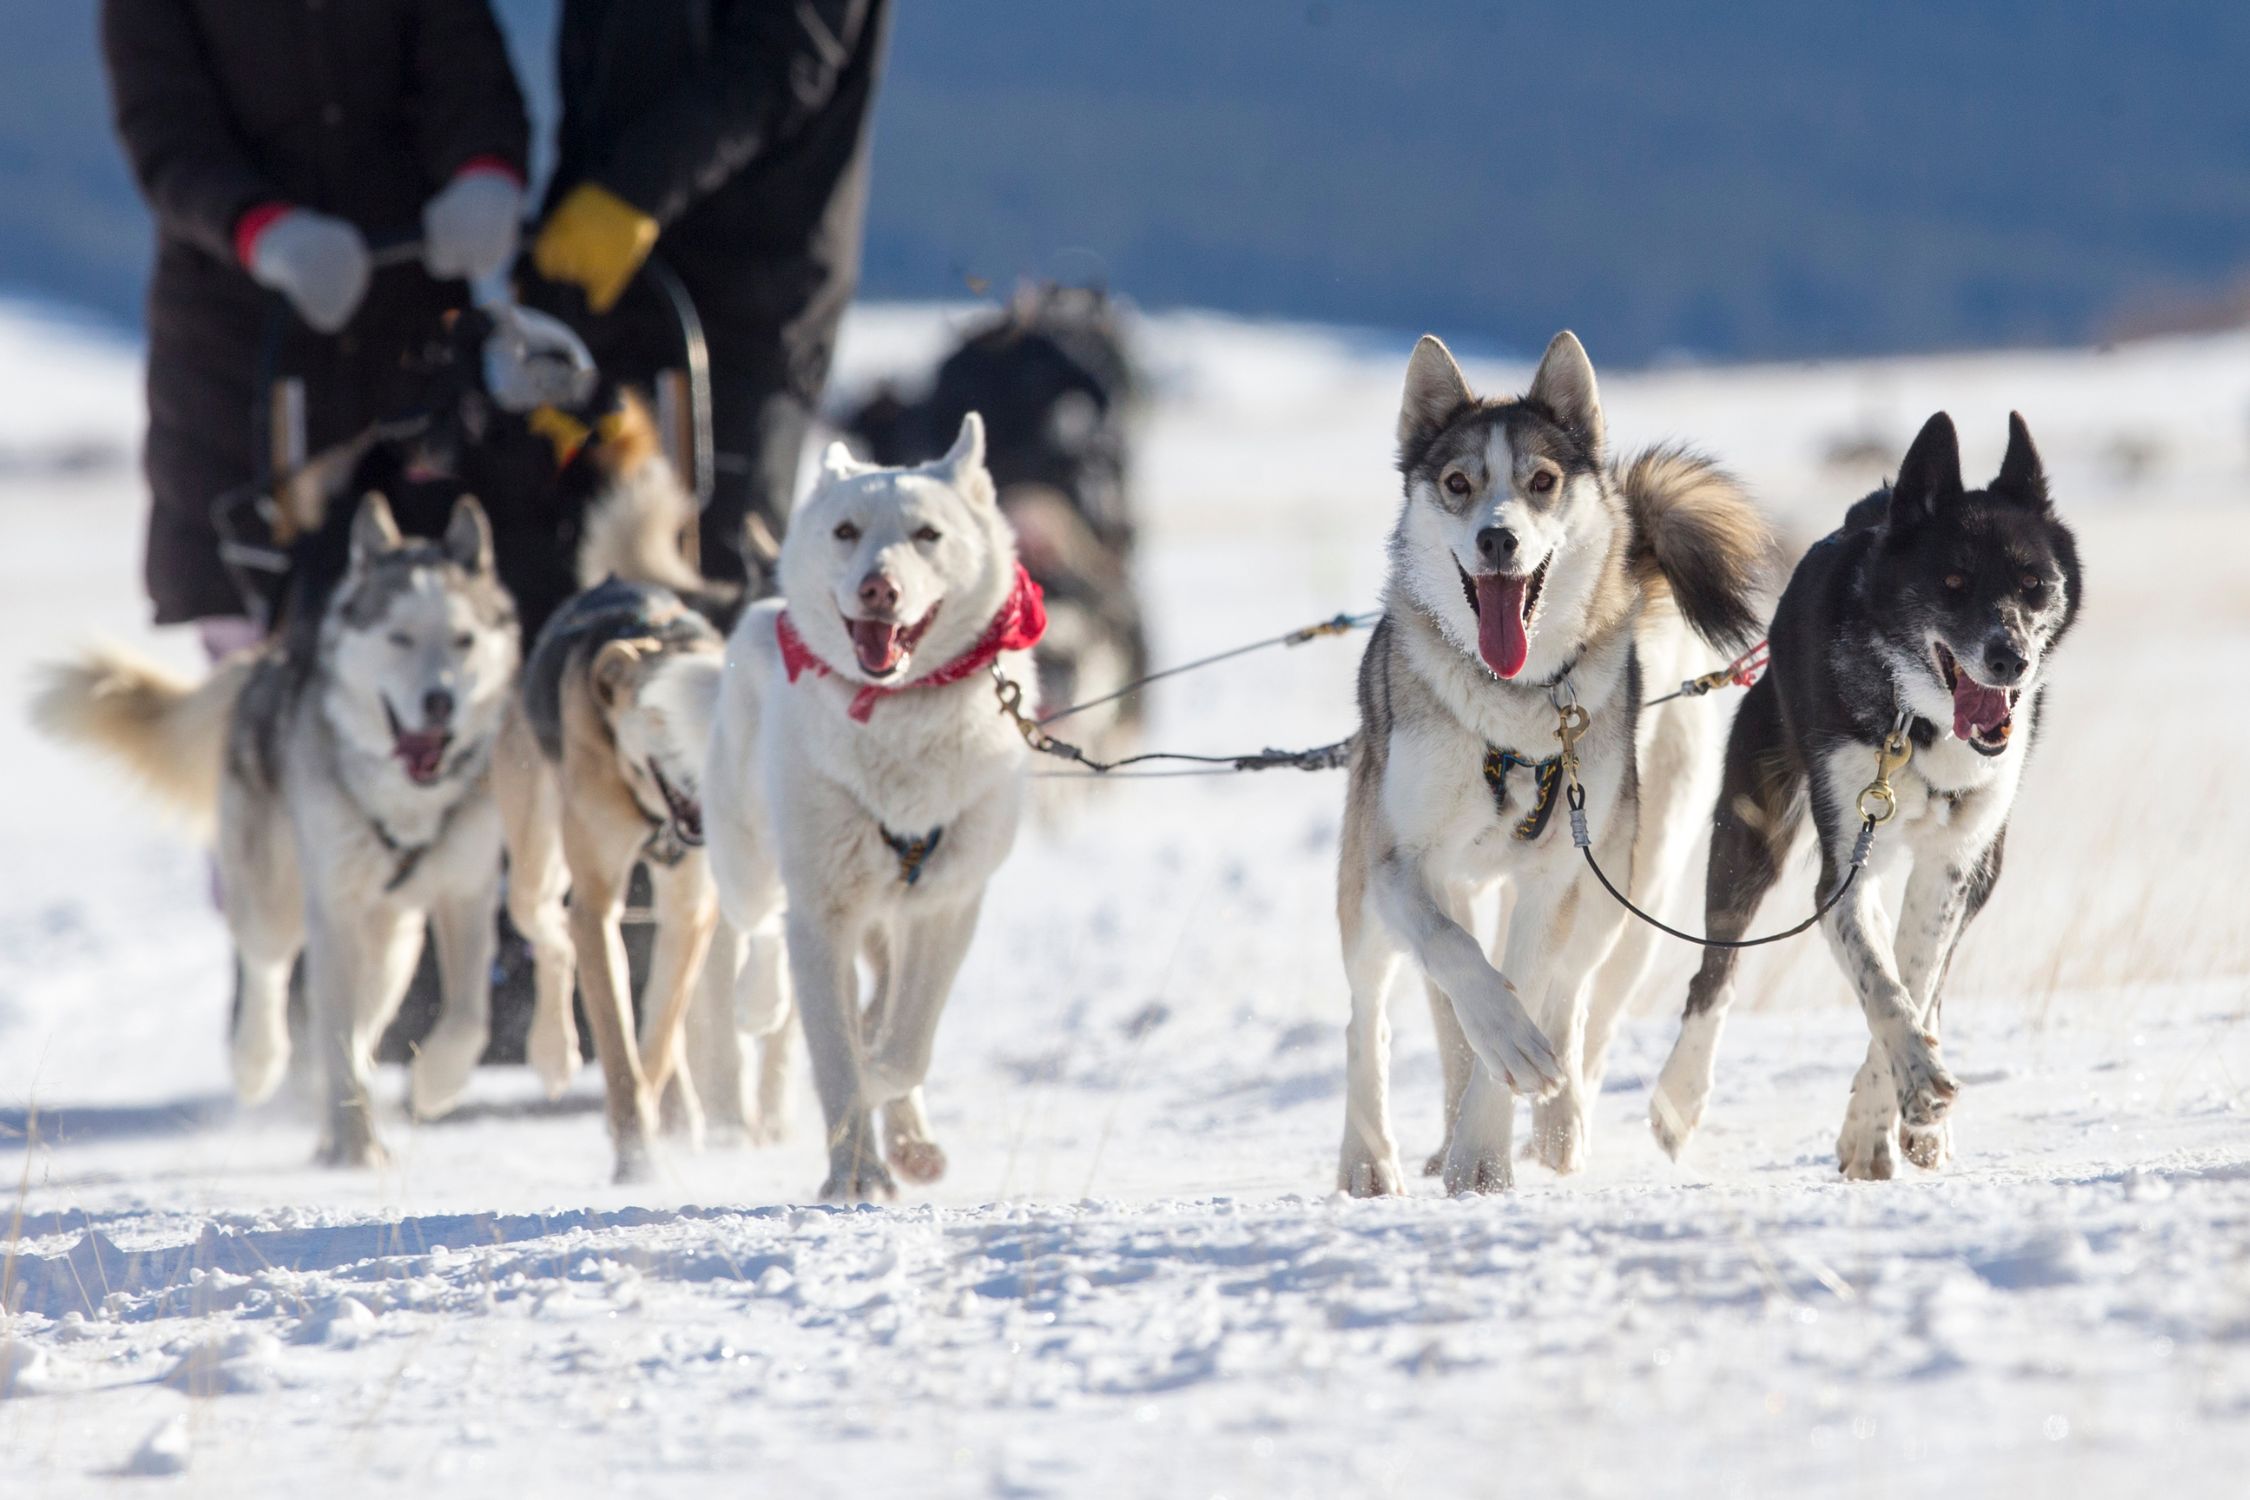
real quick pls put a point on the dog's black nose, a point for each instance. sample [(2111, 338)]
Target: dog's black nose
[(437, 706), (1496, 546), (877, 592), (2004, 663)]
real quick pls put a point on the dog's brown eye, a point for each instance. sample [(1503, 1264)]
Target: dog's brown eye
[(463, 642), (1457, 483), (926, 534), (2033, 583), (1956, 582), (1542, 481), (846, 532)]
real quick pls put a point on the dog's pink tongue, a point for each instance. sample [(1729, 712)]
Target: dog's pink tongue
[(1976, 706), (1501, 640), (423, 754), (877, 642)]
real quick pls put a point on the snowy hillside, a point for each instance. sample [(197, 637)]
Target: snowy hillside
[(1135, 1279)]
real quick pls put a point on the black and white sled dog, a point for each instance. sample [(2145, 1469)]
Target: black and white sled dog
[(1933, 604), (1528, 576), (349, 763), (861, 786)]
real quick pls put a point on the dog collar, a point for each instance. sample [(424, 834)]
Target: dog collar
[(1020, 622)]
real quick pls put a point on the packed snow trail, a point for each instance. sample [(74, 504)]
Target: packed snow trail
[(1136, 1278)]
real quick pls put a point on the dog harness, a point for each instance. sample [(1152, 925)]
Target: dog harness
[(1021, 621), (408, 856), (912, 850), (1546, 779)]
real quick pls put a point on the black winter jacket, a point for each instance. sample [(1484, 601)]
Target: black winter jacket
[(358, 108), (741, 126)]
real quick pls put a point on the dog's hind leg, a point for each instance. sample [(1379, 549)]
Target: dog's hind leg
[(530, 799), (906, 1139), (687, 912), (776, 1053), (265, 910), (1456, 1060), (462, 923), (712, 1040), (599, 870), (357, 965), (1456, 1063), (1679, 764), (930, 947), (1760, 806), (1579, 929), (1369, 1166)]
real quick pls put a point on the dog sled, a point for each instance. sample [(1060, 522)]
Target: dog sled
[(527, 362)]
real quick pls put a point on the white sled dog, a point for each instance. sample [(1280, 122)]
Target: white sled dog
[(351, 768), (862, 785), (1528, 577)]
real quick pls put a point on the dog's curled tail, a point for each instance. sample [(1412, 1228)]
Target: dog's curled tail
[(1697, 535), (170, 733)]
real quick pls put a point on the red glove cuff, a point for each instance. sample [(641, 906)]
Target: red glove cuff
[(495, 164), (252, 224)]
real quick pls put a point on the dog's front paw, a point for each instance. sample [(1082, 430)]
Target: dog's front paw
[(1474, 1171), (1510, 1044), (1925, 1089), (1558, 1133), (442, 1066), (856, 1173), (918, 1161), (261, 1060), (679, 1113), (1683, 1089), (351, 1147), (636, 1161), (1366, 1173), (1866, 1150), (861, 1181), (552, 1051), (1927, 1146)]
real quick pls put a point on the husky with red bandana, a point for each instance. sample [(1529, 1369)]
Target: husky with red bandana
[(1528, 575), (862, 785), (1933, 604)]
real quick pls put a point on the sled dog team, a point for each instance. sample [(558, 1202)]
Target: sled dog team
[(832, 783)]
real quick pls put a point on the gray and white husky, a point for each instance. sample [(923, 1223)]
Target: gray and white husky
[(350, 767), (862, 786), (1528, 576)]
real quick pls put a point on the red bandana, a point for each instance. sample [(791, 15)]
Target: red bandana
[(1017, 627)]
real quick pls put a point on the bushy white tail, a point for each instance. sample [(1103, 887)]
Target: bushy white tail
[(633, 528), (169, 732)]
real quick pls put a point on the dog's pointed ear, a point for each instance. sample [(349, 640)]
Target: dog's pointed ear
[(1930, 477), (963, 464), (374, 529), (468, 536), (2022, 475), (1565, 386), (837, 462), (613, 668), (1435, 390)]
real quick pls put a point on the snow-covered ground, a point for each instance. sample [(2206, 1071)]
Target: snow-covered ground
[(1136, 1280)]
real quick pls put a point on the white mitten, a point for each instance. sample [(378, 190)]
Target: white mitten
[(319, 263), (469, 229)]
